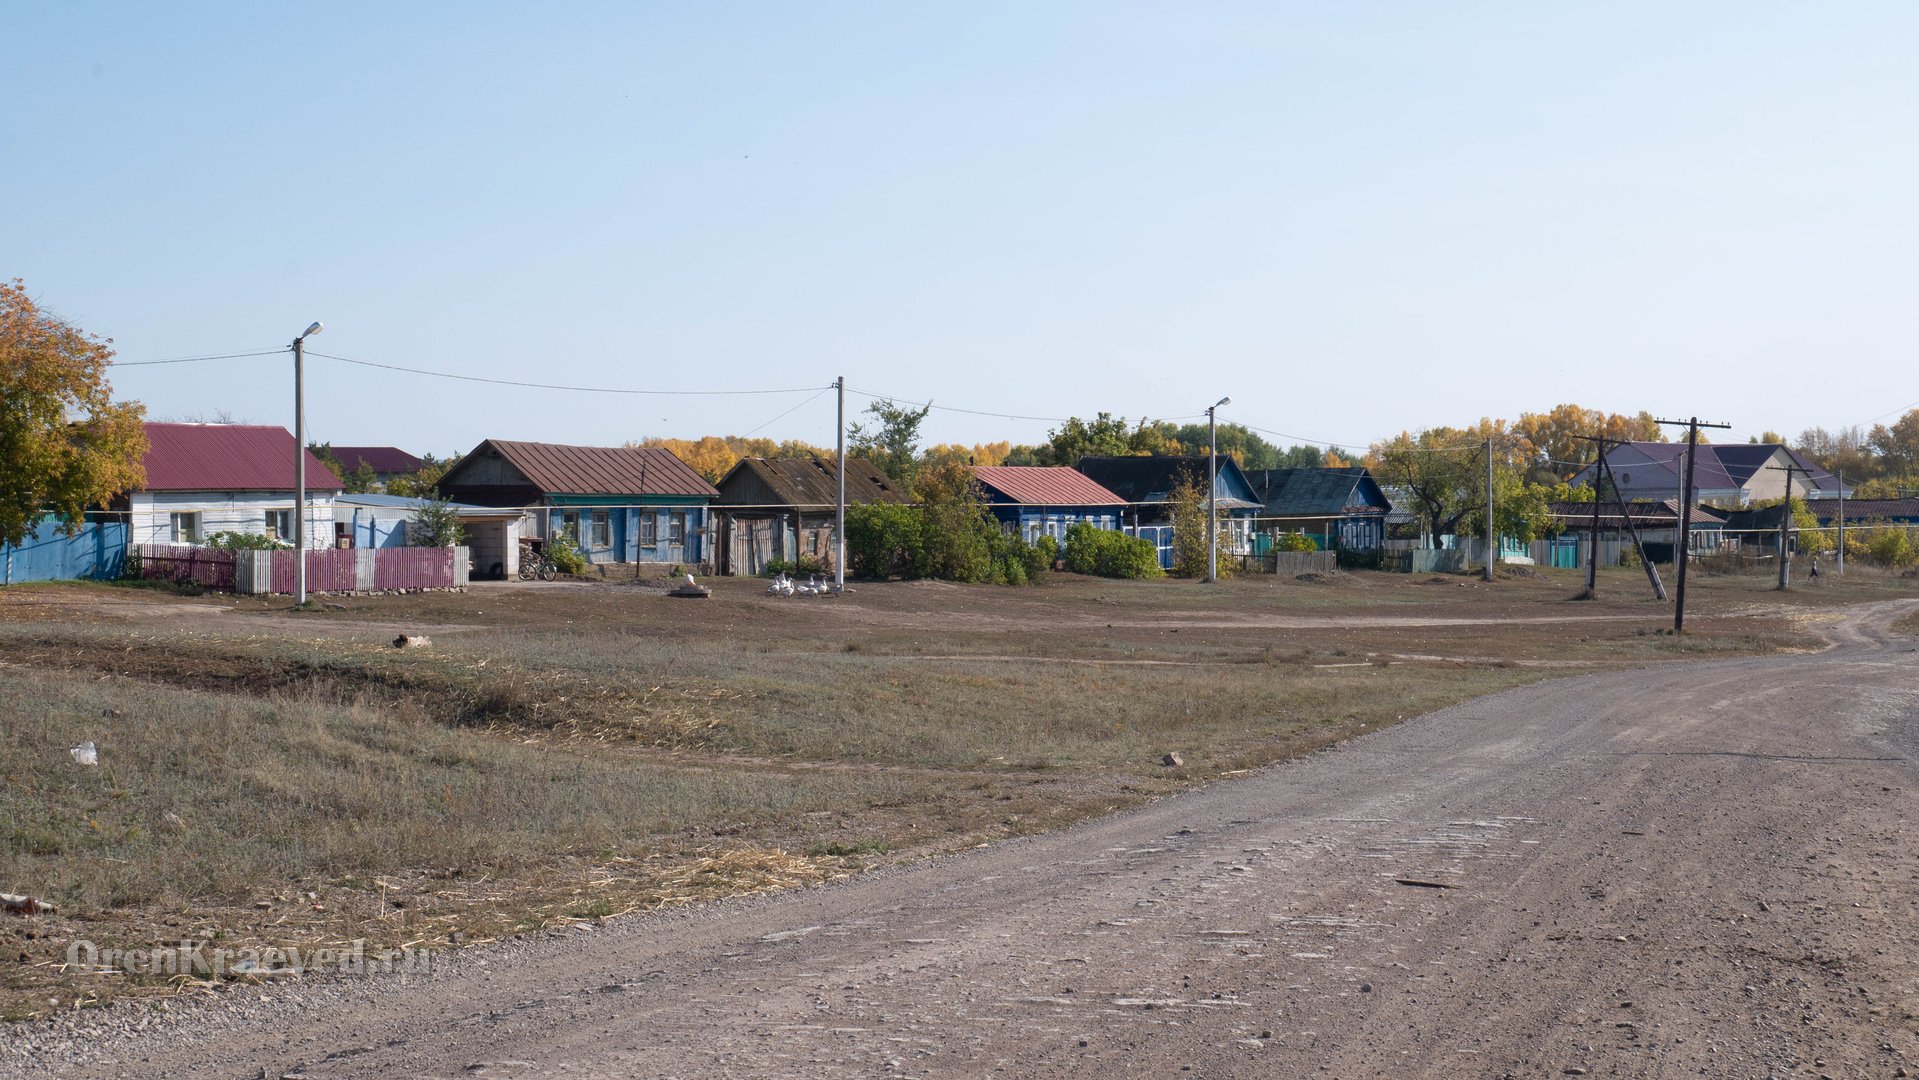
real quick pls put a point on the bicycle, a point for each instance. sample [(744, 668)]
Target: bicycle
[(533, 564)]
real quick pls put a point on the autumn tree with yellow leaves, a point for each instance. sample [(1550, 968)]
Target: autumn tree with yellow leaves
[(65, 445), (713, 456)]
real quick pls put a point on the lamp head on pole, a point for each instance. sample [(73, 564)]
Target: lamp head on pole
[(311, 330)]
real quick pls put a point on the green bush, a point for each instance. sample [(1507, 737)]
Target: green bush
[(239, 541), (883, 540), (1109, 553), (563, 551), (1046, 550), (805, 564), (1294, 541)]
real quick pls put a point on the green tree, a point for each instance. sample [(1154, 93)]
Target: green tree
[(1191, 528), (436, 525), (1241, 443), (65, 445), (891, 440), (1105, 435), (423, 483)]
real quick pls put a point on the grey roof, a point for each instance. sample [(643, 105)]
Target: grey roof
[(1708, 473), (1318, 492)]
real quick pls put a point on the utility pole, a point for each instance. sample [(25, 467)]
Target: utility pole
[(300, 465), (1212, 491), (1692, 426), (839, 510), (1842, 522), (1492, 538), (1785, 524), (1602, 471)]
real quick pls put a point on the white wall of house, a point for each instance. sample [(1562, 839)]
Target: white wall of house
[(152, 514)]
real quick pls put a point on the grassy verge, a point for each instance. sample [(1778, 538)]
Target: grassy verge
[(575, 753)]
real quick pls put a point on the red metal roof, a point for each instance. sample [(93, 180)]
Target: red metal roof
[(603, 470), (1046, 485), (227, 457), (381, 459)]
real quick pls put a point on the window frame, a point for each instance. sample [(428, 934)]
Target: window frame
[(649, 529), (676, 528), (279, 525), (192, 532), (600, 528)]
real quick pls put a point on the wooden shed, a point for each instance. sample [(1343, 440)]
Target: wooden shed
[(784, 508)]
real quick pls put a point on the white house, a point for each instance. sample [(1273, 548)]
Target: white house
[(204, 479)]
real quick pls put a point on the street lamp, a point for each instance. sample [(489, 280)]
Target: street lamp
[(1212, 491), (300, 465)]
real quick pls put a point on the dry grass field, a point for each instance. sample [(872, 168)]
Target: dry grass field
[(568, 751)]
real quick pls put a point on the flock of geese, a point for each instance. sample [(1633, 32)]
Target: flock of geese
[(783, 585)]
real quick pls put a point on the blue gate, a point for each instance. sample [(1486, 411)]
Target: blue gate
[(98, 550)]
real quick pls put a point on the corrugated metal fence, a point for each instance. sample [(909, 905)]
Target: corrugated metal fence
[(98, 550), (328, 569)]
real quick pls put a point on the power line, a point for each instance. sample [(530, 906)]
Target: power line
[(786, 414), (562, 386), (197, 359)]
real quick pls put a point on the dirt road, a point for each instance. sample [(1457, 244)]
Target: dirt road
[(1700, 869)]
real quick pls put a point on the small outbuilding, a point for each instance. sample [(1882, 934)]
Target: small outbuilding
[(784, 509)]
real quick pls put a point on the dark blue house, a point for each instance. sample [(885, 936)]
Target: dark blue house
[(1041, 500), (1339, 508), (1147, 483)]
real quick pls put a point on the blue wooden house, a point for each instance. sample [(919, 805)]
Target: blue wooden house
[(1042, 500), (1340, 509), (1147, 483), (623, 504)]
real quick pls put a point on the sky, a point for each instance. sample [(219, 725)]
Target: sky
[(1352, 219)]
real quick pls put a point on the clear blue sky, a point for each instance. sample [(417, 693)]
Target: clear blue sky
[(1352, 218)]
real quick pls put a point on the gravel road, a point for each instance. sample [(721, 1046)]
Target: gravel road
[(1695, 870)]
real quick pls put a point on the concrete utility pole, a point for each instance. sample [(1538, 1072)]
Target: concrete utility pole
[(1785, 523), (1692, 426), (1492, 536), (839, 511), (300, 465), (1212, 491)]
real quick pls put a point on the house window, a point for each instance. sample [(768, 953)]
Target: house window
[(280, 525), (649, 530), (185, 528), (570, 521), (602, 529), (676, 529)]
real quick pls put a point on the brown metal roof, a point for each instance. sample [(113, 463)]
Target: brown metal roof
[(227, 457), (814, 481), (381, 459), (557, 469), (1045, 485)]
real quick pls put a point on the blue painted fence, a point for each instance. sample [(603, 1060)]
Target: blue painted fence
[(98, 550)]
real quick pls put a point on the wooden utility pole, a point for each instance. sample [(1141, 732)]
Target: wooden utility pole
[(1785, 523), (1692, 426), (1842, 522), (1602, 471), (1492, 537)]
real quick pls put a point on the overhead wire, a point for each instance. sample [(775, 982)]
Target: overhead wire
[(563, 386), (787, 413), (198, 359)]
